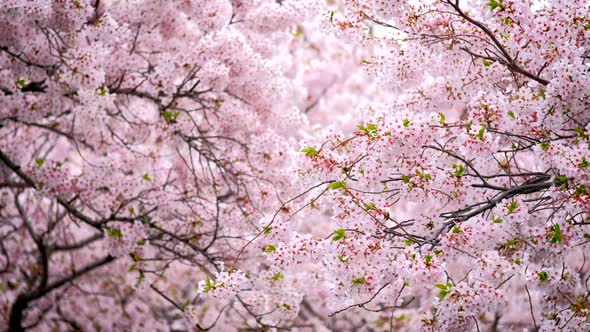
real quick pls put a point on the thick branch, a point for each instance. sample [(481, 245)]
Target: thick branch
[(474, 210), (63, 202), (23, 300), (509, 62)]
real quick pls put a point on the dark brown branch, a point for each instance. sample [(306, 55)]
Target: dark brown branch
[(509, 62), (471, 211), (23, 300), (361, 304), (62, 201)]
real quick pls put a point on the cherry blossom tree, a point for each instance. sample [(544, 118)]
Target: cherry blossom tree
[(461, 204), (142, 141), (294, 165)]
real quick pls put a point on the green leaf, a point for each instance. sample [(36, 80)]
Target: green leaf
[(442, 118), (557, 236), (339, 234), (459, 170), (133, 267), (370, 206), (445, 289), (427, 258), (456, 229), (480, 133), (170, 117), (114, 232), (342, 259), (359, 281), (511, 114), (209, 285), (487, 63), (135, 256), (543, 276), (184, 305), (21, 83), (266, 229), (405, 179), (493, 4), (561, 180), (513, 243), (277, 276), (167, 116), (40, 161), (584, 163), (310, 152), (370, 129), (103, 91), (406, 123), (542, 94), (424, 176), (147, 177), (337, 185), (545, 145), (496, 220), (269, 248), (363, 129), (580, 190), (512, 207), (408, 242)]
